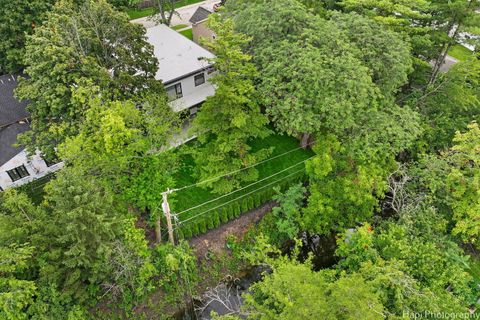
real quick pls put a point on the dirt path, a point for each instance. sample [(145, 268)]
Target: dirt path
[(214, 240)]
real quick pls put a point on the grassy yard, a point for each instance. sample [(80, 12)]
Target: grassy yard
[(194, 196), (459, 52), (135, 13), (180, 26), (286, 165), (187, 33)]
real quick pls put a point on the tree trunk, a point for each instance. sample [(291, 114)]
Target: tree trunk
[(455, 23), (304, 140)]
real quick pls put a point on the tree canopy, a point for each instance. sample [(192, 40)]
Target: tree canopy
[(90, 43)]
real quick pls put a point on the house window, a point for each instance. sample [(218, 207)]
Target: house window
[(174, 92), (199, 79), (18, 173)]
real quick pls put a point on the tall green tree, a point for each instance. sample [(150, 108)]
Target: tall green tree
[(464, 184), (386, 54), (412, 263), (76, 44), (230, 119), (316, 75), (16, 294), (163, 12), (455, 17), (450, 105), (18, 18), (449, 182), (294, 291), (125, 146)]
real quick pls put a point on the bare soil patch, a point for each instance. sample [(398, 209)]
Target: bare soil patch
[(214, 240)]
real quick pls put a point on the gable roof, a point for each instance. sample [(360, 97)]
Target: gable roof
[(200, 14), (177, 56), (11, 110), (13, 118)]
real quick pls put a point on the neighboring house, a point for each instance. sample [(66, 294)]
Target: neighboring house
[(15, 168), (183, 68), (199, 25)]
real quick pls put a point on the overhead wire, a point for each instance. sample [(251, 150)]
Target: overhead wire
[(244, 195), (239, 170), (245, 187)]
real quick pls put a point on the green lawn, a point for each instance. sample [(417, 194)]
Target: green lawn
[(180, 26), (135, 13), (287, 168), (188, 33), (459, 52), (194, 196)]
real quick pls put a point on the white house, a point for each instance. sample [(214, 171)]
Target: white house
[(15, 168), (183, 68)]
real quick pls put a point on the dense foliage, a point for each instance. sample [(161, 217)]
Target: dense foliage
[(392, 177)]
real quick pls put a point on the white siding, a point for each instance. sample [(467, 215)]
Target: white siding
[(36, 167), (192, 95)]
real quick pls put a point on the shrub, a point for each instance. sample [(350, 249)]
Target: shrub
[(250, 202), (216, 219), (257, 199), (244, 206), (237, 210), (231, 211), (180, 234), (202, 226), (187, 232), (224, 214), (195, 230), (210, 223)]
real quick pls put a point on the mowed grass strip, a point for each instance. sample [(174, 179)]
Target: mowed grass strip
[(194, 196), (187, 33), (460, 52)]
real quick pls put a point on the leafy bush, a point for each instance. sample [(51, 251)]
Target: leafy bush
[(216, 219), (224, 215), (202, 226)]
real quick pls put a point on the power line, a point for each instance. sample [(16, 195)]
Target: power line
[(214, 208), (245, 187), (239, 170)]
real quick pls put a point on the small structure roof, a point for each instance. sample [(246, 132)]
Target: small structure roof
[(200, 14), (11, 110), (13, 118), (177, 56)]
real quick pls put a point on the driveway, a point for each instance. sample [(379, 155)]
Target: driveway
[(183, 14), (447, 63)]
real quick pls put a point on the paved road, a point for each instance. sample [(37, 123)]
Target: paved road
[(183, 14), (447, 64)]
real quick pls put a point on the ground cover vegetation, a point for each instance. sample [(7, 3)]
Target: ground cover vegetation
[(333, 109)]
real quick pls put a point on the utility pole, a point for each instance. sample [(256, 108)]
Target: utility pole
[(166, 210)]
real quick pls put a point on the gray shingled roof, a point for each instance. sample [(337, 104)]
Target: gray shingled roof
[(12, 116), (200, 15)]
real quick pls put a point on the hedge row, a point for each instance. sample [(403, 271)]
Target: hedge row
[(232, 210)]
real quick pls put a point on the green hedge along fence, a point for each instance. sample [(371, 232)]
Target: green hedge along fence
[(230, 211)]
